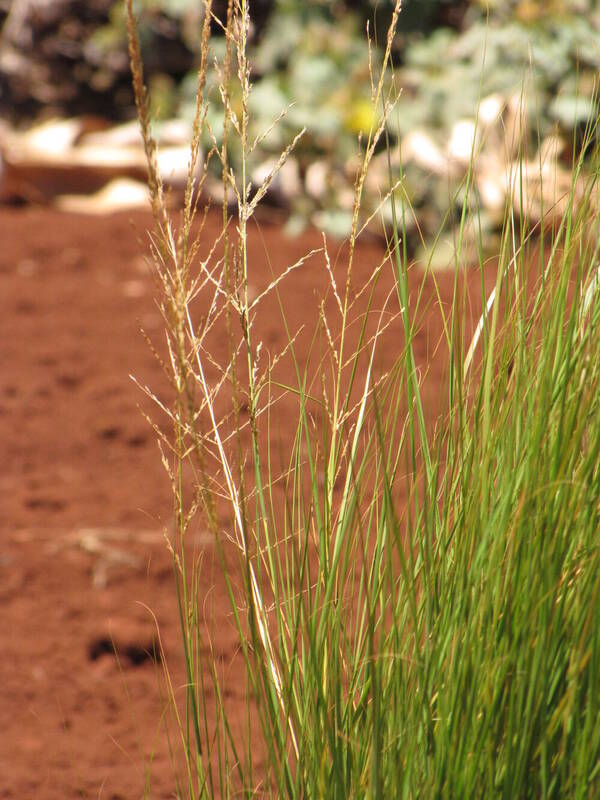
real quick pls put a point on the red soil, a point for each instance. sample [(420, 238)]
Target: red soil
[(85, 498)]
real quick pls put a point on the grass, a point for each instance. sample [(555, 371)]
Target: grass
[(417, 617)]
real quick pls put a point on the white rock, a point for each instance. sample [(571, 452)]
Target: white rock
[(462, 145), (50, 140), (490, 110), (118, 195), (316, 179), (418, 146), (126, 135), (492, 188), (173, 164), (286, 183)]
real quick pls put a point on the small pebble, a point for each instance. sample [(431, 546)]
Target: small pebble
[(27, 268), (134, 288)]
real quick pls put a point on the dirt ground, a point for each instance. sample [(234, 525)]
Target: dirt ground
[(85, 499)]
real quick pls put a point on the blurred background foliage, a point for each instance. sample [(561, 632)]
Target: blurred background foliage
[(69, 57)]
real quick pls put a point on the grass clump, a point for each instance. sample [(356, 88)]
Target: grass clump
[(417, 616)]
